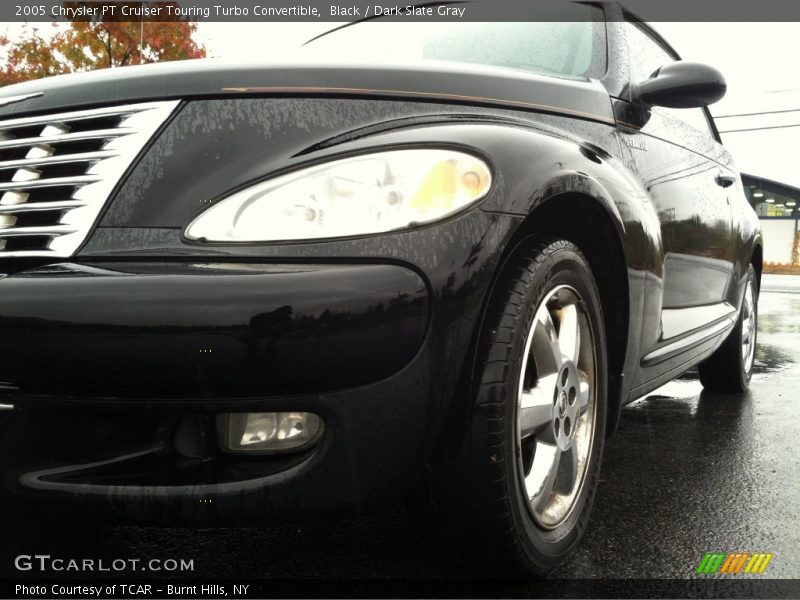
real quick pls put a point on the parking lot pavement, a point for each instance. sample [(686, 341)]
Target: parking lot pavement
[(687, 473)]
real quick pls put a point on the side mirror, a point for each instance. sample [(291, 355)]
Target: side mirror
[(682, 84)]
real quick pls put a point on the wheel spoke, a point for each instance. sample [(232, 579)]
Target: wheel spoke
[(539, 482), (567, 471), (544, 346), (583, 394), (536, 405), (569, 333)]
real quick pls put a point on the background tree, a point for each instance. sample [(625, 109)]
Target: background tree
[(97, 44)]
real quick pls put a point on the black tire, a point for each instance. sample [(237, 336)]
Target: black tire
[(480, 495), (729, 369)]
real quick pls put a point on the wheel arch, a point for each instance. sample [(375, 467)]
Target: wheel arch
[(596, 229)]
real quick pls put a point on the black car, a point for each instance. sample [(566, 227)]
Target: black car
[(235, 292)]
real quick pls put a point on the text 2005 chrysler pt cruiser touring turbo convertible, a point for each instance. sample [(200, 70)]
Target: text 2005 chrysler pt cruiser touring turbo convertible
[(252, 291)]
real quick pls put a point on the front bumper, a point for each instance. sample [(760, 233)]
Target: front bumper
[(115, 373)]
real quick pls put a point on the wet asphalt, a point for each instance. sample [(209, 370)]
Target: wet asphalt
[(687, 473)]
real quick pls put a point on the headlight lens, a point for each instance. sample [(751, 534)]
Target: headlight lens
[(355, 196)]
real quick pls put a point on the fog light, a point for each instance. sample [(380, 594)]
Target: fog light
[(267, 433)]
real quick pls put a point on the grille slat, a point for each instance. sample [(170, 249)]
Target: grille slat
[(32, 184), (37, 231), (58, 173), (82, 115), (81, 136), (12, 209), (62, 159)]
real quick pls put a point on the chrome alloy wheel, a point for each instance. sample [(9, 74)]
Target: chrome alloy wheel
[(749, 325), (556, 406)]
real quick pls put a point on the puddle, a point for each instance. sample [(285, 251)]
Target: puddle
[(771, 358)]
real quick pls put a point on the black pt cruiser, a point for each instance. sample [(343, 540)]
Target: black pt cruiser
[(252, 291)]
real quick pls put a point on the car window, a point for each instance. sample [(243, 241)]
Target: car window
[(574, 46), (646, 57)]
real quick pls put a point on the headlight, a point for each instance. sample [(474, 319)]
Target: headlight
[(355, 196)]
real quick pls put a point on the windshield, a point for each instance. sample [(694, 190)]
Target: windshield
[(576, 47)]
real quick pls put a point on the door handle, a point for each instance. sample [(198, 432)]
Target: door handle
[(725, 180)]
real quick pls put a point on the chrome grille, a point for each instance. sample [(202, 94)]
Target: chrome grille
[(57, 172)]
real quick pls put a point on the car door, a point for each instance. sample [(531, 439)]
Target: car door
[(676, 156)]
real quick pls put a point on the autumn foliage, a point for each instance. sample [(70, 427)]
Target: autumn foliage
[(96, 44)]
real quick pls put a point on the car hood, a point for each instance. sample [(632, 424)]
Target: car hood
[(446, 82)]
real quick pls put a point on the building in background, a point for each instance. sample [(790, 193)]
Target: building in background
[(776, 205)]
